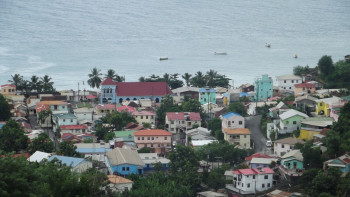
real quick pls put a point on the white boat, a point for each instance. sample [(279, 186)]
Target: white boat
[(267, 45), (220, 53), (163, 58)]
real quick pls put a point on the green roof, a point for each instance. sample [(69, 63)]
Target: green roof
[(126, 135), (347, 98)]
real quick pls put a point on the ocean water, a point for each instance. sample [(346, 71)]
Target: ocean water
[(66, 39)]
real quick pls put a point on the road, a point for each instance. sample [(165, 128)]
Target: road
[(49, 132), (253, 124)]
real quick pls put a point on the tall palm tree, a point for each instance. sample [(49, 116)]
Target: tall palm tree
[(94, 78), (17, 80), (110, 74), (35, 84), (119, 78), (47, 84), (142, 79), (187, 78), (199, 80), (211, 78)]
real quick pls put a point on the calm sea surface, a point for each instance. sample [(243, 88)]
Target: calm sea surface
[(66, 39)]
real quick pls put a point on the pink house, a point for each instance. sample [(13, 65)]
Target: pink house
[(157, 139)]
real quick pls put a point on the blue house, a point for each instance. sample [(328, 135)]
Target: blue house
[(62, 119), (117, 92), (77, 164), (124, 162), (152, 158), (342, 162), (207, 95), (263, 88)]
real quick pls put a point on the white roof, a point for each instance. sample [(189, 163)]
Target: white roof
[(293, 153), (185, 88), (291, 113), (262, 160), (329, 101), (202, 142), (38, 156), (84, 110), (284, 77), (150, 158), (318, 121)]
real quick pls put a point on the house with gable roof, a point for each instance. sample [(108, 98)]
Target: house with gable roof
[(287, 82), (8, 90), (342, 162), (121, 161), (263, 88), (289, 121), (323, 106), (207, 95), (304, 89), (119, 184), (280, 108), (239, 136), (232, 120), (78, 164), (285, 145), (314, 125), (117, 92), (305, 103), (250, 181), (158, 140), (180, 122), (145, 117), (292, 163)]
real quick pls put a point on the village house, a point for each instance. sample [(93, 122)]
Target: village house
[(74, 129), (289, 121), (39, 156), (274, 112), (158, 140), (263, 88), (122, 138), (63, 119), (179, 94), (95, 151), (150, 159), (78, 164), (239, 136), (324, 105), (285, 145), (261, 162), (84, 114), (8, 90), (304, 89), (287, 82), (123, 162), (103, 109), (179, 122), (199, 133), (232, 120), (197, 144), (292, 163), (117, 92), (314, 125), (342, 163), (119, 184), (305, 103), (207, 95), (251, 181), (145, 117)]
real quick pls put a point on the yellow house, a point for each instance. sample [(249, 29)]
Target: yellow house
[(312, 126), (240, 136), (8, 90), (323, 105)]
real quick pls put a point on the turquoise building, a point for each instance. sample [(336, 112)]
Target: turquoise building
[(124, 162), (207, 94), (293, 160), (263, 88)]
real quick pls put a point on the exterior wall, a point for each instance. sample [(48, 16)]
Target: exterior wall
[(258, 165), (120, 187), (334, 114), (288, 126), (145, 119), (288, 84), (280, 148), (298, 91), (263, 88), (322, 106), (125, 169), (233, 122), (84, 116), (67, 121), (248, 184), (292, 164), (8, 90), (307, 134), (204, 97), (108, 94), (157, 99), (242, 140), (152, 141), (73, 131), (175, 124), (104, 111), (59, 108), (83, 166), (245, 141)]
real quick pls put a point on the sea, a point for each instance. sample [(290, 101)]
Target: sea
[(66, 39)]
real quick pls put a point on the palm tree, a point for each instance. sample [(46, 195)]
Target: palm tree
[(17, 80), (110, 74), (47, 84), (187, 78), (94, 78), (211, 78), (199, 80), (35, 84), (119, 78), (142, 79)]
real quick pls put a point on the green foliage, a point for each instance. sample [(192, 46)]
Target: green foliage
[(84, 104), (144, 150), (214, 125), (109, 136), (195, 126), (67, 148), (114, 76), (101, 131), (88, 140), (171, 79), (272, 164), (300, 70), (47, 84), (273, 135), (118, 119), (241, 166), (12, 137), (296, 133), (158, 166), (5, 112), (311, 155), (41, 143), (95, 78), (325, 65), (167, 105), (298, 146), (237, 107), (219, 135), (146, 125)]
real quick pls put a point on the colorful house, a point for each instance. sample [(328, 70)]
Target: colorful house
[(285, 145), (157, 139), (261, 162), (239, 136), (323, 105), (179, 122), (63, 119), (305, 103), (145, 117), (312, 126), (117, 92), (207, 95), (263, 88), (123, 162), (292, 160), (77, 164), (274, 112), (287, 82), (304, 89), (105, 108), (8, 90), (150, 159), (119, 184), (232, 120), (342, 163), (74, 129), (290, 121)]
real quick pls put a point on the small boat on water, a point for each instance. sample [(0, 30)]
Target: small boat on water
[(267, 45), (296, 56), (163, 58), (220, 53)]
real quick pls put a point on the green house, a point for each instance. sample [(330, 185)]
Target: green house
[(292, 160), (207, 95)]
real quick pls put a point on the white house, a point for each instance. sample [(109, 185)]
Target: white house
[(287, 82), (38, 156), (251, 181), (84, 113), (285, 145), (232, 120), (119, 184)]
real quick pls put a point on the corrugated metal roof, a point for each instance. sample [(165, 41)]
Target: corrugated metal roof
[(120, 156), (69, 161), (230, 114)]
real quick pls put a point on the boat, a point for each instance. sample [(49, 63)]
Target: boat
[(267, 45), (163, 58), (220, 53), (296, 56)]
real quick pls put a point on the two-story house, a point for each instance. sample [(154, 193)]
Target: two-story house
[(179, 94), (232, 120), (292, 162), (280, 108), (145, 117), (63, 119), (287, 82), (304, 89), (207, 95), (263, 88), (323, 106), (84, 114), (314, 125), (305, 103), (289, 121), (8, 90), (179, 122), (122, 161), (285, 145), (251, 181), (239, 136), (158, 140)]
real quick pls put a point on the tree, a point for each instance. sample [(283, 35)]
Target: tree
[(211, 77), (144, 150), (198, 80), (114, 76), (311, 156), (17, 81), (12, 137), (67, 148), (300, 70), (187, 78), (47, 84), (41, 143), (43, 115), (35, 84), (325, 65), (237, 107), (219, 135), (167, 105), (214, 125), (94, 78), (146, 125), (193, 105), (118, 119), (5, 112)]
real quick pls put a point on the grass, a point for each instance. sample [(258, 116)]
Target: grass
[(88, 105)]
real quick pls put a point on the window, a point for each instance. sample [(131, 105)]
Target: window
[(152, 138), (287, 122), (158, 145), (266, 177), (71, 120), (165, 138), (294, 122), (138, 138), (143, 138), (248, 185), (285, 81), (151, 145), (183, 122), (148, 138), (242, 184), (297, 81), (240, 122), (64, 120), (141, 117), (282, 145), (268, 185), (172, 129), (172, 122), (320, 104), (253, 176), (127, 168), (146, 117), (123, 168), (263, 185), (290, 88), (292, 81), (245, 136)]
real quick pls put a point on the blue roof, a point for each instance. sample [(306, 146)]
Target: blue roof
[(205, 90), (92, 150), (230, 114), (244, 94), (69, 161)]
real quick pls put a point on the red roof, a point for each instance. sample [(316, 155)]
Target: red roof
[(41, 107), (254, 171), (126, 108), (257, 155), (152, 132), (18, 155), (74, 127), (10, 85), (142, 89), (108, 106), (91, 96), (181, 115), (304, 85), (143, 113), (108, 81)]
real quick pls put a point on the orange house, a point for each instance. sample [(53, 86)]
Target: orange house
[(304, 89), (8, 90), (158, 140)]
